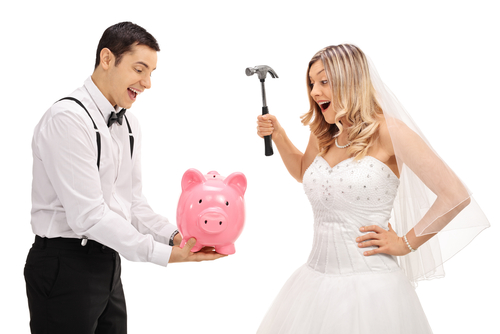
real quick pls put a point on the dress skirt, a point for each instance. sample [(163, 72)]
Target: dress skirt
[(367, 303)]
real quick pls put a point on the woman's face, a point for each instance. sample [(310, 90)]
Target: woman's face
[(321, 91)]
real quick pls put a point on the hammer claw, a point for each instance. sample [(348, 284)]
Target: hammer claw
[(273, 74)]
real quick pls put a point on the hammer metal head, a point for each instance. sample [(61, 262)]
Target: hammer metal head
[(261, 71)]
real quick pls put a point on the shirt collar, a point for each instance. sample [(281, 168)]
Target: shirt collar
[(99, 99)]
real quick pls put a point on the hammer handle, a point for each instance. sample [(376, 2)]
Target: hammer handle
[(268, 145)]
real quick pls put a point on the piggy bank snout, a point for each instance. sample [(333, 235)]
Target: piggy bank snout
[(213, 220)]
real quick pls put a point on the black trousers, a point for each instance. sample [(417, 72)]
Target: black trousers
[(73, 288)]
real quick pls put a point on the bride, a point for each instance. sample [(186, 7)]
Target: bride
[(365, 160)]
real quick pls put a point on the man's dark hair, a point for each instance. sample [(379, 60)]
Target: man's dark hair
[(120, 38)]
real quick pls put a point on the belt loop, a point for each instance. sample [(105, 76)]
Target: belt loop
[(44, 243)]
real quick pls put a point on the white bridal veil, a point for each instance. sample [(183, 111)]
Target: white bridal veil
[(430, 195)]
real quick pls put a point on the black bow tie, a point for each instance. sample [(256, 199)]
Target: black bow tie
[(116, 117)]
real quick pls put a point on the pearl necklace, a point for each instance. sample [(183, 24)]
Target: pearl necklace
[(344, 146)]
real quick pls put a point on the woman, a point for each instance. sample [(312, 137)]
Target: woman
[(365, 157)]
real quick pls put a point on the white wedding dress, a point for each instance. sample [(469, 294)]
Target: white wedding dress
[(339, 290)]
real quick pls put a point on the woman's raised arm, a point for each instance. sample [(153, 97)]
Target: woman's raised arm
[(295, 161)]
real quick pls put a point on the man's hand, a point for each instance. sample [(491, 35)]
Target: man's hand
[(177, 239), (185, 255)]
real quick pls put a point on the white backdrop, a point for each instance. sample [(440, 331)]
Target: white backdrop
[(439, 57)]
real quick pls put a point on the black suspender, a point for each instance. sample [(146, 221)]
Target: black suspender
[(131, 137), (98, 135)]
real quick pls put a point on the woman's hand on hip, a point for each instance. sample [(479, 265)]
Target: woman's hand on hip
[(388, 242)]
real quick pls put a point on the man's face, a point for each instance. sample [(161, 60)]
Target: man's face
[(131, 77)]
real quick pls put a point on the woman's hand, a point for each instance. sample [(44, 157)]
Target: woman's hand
[(267, 125), (295, 161), (388, 242)]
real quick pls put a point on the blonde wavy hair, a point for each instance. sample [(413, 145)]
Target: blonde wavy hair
[(353, 96)]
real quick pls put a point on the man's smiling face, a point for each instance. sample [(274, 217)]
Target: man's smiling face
[(131, 76)]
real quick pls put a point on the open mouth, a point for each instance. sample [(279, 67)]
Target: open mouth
[(324, 105), (132, 93)]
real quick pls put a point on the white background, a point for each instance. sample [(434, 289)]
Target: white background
[(441, 58)]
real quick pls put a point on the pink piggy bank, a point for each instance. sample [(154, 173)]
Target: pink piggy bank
[(211, 209)]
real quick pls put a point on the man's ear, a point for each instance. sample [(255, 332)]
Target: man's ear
[(107, 57)]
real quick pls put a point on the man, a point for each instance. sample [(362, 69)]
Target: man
[(87, 195)]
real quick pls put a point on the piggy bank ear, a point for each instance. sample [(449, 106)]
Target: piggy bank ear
[(238, 181), (191, 176)]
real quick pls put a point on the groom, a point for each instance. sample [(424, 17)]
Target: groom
[(87, 200)]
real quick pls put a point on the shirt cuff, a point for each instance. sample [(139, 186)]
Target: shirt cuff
[(161, 254), (165, 233)]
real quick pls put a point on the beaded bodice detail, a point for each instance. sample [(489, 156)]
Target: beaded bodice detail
[(345, 197)]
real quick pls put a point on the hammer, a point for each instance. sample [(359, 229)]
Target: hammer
[(261, 71)]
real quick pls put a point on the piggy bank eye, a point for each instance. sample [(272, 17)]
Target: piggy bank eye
[(200, 201), (227, 203)]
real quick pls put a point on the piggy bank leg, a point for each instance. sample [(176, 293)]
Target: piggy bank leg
[(183, 242), (226, 249)]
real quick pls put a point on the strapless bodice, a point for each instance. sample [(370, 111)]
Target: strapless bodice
[(345, 197)]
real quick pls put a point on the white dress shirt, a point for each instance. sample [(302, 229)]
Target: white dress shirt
[(72, 198)]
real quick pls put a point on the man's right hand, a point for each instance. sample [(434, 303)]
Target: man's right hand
[(185, 255)]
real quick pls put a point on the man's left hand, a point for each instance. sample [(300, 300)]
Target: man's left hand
[(177, 239)]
